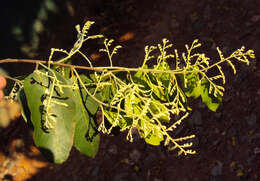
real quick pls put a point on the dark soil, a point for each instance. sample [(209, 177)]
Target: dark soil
[(227, 142)]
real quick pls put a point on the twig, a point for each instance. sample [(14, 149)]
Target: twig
[(99, 69), (9, 60)]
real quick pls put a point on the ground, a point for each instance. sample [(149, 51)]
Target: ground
[(227, 142)]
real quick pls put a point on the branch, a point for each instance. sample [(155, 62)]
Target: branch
[(9, 60), (99, 69)]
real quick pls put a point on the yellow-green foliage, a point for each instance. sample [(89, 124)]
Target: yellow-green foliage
[(147, 98)]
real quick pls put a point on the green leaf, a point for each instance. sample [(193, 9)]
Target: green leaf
[(155, 81), (210, 100), (86, 138), (132, 105), (158, 108), (139, 77), (193, 84), (158, 91), (56, 142), (165, 77), (64, 71), (123, 121), (106, 94), (150, 84), (154, 139), (89, 102)]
